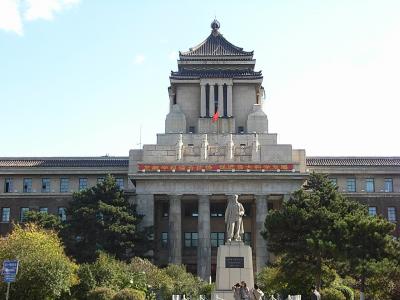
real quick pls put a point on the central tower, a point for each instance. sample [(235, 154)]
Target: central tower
[(216, 79)]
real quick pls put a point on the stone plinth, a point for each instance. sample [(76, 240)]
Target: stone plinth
[(234, 264)]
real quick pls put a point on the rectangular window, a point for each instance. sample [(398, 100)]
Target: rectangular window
[(217, 239), (191, 239), (388, 185), (43, 210), (100, 179), (240, 129), (217, 210), (45, 185), (165, 210), (351, 185), (369, 185), (27, 188), (372, 211), (192, 129), (8, 186), (64, 185), (191, 210), (333, 181), (22, 214), (247, 209), (82, 183), (392, 214), (120, 183), (62, 213), (5, 214), (164, 239), (247, 238)]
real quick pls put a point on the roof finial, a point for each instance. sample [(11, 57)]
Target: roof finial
[(215, 26)]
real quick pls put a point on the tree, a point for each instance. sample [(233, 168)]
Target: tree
[(44, 220), (306, 232), (45, 272), (102, 219), (371, 252)]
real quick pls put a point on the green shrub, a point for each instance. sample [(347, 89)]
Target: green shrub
[(101, 293), (332, 294), (129, 294), (346, 291)]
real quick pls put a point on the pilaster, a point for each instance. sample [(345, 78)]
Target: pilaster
[(229, 102)]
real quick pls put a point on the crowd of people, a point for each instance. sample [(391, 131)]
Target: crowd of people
[(242, 292)]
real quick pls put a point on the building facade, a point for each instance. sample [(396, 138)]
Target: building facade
[(216, 143)]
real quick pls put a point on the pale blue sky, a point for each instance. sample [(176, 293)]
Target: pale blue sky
[(78, 78)]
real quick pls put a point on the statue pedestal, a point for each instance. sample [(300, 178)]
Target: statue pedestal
[(234, 264)]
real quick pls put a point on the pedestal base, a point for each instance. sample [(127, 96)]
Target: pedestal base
[(234, 264)]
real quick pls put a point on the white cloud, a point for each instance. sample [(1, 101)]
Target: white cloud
[(12, 12), (139, 59), (10, 17)]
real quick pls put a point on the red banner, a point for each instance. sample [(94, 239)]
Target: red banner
[(215, 167)]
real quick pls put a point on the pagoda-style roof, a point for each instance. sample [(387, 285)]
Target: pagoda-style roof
[(197, 74), (215, 45)]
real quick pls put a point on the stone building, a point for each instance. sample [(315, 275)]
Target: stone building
[(216, 143)]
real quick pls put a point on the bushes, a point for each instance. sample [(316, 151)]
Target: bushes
[(332, 294), (101, 293), (346, 291), (129, 294)]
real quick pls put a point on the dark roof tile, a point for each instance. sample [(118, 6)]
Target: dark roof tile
[(352, 161), (64, 162), (216, 45), (196, 74)]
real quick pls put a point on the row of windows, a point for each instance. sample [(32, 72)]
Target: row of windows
[(6, 212), (191, 239), (217, 210), (391, 213), (46, 184), (369, 185)]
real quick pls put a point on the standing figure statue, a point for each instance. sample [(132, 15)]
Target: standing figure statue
[(233, 219)]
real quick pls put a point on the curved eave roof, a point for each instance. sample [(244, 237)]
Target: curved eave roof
[(327, 161), (215, 45), (235, 74)]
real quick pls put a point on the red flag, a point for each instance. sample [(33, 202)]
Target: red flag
[(215, 117)]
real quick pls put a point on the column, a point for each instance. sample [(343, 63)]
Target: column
[(202, 100), (261, 244), (175, 229), (204, 246), (211, 103), (221, 100), (229, 102)]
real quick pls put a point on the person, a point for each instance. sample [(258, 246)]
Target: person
[(236, 291), (315, 295), (233, 219), (256, 293), (244, 291)]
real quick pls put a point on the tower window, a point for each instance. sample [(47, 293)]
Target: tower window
[(192, 129), (225, 99), (216, 97), (241, 129), (207, 99)]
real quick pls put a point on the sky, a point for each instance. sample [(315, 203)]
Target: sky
[(85, 77)]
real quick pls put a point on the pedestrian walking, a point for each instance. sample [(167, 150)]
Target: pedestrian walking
[(256, 293)]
